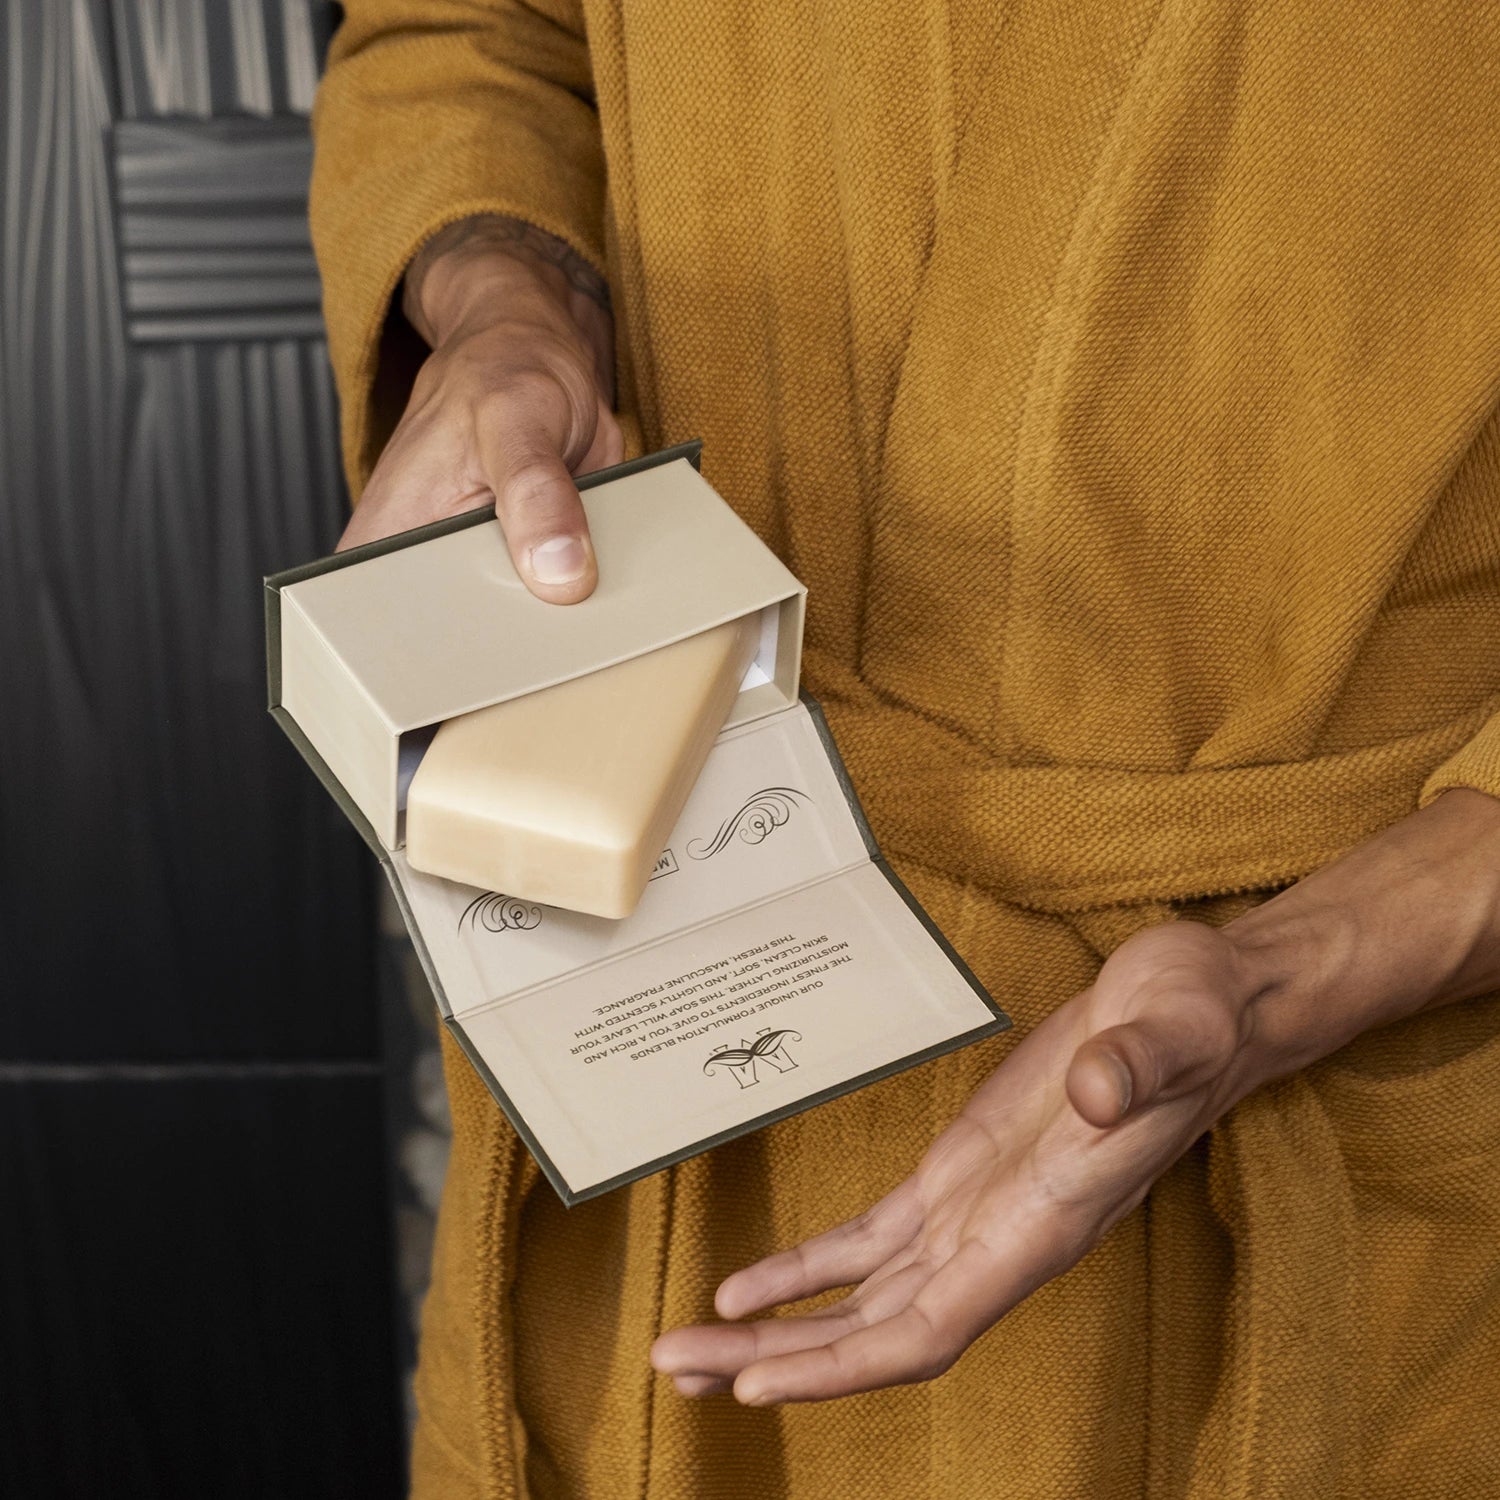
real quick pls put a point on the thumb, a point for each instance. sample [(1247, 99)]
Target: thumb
[(1181, 1043), (536, 501)]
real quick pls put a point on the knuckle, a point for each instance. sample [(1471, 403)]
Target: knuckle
[(508, 400), (524, 413), (849, 1364), (539, 398), (940, 1347), (532, 487)]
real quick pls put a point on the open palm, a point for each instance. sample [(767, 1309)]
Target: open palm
[(1059, 1143)]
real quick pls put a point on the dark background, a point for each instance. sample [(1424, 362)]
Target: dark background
[(197, 1294)]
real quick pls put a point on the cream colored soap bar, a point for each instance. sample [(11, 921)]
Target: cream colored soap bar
[(566, 796)]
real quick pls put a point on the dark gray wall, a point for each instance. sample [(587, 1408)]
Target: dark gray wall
[(195, 1288)]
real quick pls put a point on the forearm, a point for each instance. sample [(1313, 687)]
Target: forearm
[(430, 108), (1406, 921)]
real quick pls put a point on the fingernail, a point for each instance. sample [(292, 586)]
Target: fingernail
[(1127, 1083), (560, 560)]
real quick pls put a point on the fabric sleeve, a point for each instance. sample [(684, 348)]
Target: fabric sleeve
[(432, 111), (1476, 764)]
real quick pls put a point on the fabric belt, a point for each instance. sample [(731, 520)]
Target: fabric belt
[(1068, 839)]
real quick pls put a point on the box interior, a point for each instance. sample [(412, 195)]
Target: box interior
[(763, 690), (770, 916)]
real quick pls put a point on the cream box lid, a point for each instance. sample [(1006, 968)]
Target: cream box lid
[(385, 641)]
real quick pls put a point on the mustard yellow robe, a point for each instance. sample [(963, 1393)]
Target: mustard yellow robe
[(1121, 377)]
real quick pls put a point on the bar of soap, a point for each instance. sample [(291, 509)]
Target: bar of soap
[(567, 795)]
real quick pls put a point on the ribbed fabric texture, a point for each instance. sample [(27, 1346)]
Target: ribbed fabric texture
[(1121, 377)]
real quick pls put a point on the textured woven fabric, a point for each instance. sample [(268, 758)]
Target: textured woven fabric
[(1121, 377)]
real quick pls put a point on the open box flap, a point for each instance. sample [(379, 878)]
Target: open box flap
[(773, 929)]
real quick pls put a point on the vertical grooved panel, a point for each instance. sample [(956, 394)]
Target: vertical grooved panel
[(195, 1283)]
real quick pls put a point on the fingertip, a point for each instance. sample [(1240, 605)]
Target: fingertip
[(750, 1290), (730, 1301), (1101, 1086), (546, 528), (752, 1389), (661, 1355), (561, 569)]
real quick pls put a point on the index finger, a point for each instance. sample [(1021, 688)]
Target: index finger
[(921, 1340)]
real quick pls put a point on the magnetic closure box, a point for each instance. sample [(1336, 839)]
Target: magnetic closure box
[(774, 961)]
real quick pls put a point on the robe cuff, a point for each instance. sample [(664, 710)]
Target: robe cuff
[(415, 128)]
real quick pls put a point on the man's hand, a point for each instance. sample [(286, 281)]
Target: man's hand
[(1061, 1142), (514, 399), (1069, 1133)]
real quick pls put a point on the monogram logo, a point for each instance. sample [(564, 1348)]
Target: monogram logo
[(743, 1062)]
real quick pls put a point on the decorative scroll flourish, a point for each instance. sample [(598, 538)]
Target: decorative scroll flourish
[(496, 913), (756, 820), (741, 1062)]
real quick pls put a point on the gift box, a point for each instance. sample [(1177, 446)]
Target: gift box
[(774, 961)]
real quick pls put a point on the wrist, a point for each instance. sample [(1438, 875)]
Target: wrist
[(450, 289), (1290, 957), (489, 269), (1408, 920)]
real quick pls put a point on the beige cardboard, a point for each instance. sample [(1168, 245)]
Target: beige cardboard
[(768, 815), (772, 962), (423, 633)]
